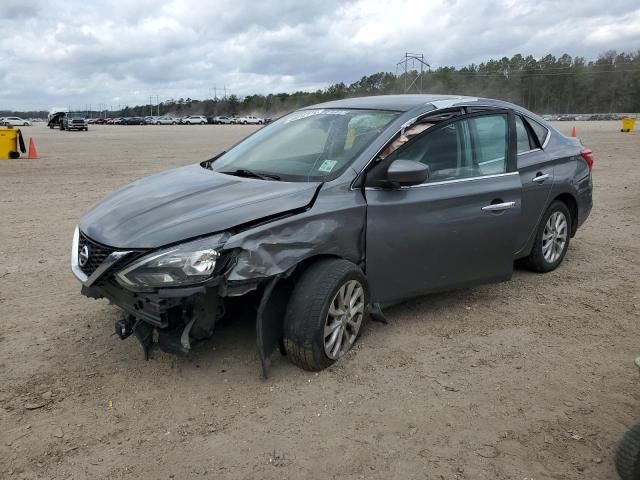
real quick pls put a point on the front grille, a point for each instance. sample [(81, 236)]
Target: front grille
[(97, 254)]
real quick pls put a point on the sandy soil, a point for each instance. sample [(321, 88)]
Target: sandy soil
[(530, 379)]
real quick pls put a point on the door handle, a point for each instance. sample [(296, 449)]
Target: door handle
[(541, 178), (498, 207)]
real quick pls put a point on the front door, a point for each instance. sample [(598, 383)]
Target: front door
[(456, 229)]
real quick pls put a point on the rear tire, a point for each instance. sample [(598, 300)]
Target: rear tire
[(552, 239), (628, 455), (325, 314)]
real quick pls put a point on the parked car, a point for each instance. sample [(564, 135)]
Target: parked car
[(133, 121), (221, 120), (165, 121), (75, 121), (16, 122), (234, 120), (100, 121), (330, 214), (249, 119), (109, 121), (195, 119)]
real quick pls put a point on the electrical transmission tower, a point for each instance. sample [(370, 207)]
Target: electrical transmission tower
[(412, 77)]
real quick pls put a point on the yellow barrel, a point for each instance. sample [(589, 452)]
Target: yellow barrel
[(10, 141), (628, 124)]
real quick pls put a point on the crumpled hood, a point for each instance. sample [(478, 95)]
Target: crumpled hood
[(187, 202)]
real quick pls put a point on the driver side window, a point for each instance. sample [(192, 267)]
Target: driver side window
[(471, 147)]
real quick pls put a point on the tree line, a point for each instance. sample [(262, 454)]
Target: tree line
[(547, 85), (564, 84)]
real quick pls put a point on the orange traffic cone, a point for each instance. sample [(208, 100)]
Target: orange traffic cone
[(573, 132), (33, 153)]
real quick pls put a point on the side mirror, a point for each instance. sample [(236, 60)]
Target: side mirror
[(407, 172)]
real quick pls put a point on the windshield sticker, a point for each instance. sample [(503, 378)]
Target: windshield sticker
[(327, 166), (310, 113)]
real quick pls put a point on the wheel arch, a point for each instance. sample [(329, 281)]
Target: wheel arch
[(274, 301), (572, 204), (305, 263)]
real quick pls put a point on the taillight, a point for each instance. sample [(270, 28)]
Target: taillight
[(588, 157)]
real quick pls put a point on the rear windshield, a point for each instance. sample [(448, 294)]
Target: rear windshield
[(307, 145)]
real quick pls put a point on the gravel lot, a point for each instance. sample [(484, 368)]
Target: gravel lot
[(530, 379)]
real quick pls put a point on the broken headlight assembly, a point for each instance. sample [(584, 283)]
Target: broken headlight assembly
[(191, 263)]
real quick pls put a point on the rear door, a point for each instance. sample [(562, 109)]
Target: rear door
[(459, 227), (536, 173)]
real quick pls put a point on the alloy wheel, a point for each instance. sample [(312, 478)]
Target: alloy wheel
[(554, 237), (344, 319)]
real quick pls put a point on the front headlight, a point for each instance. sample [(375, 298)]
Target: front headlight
[(187, 264)]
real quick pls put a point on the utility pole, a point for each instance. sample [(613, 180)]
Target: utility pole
[(411, 77)]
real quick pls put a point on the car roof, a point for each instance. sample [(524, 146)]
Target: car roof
[(404, 103)]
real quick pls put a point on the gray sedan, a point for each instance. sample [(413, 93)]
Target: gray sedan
[(331, 213)]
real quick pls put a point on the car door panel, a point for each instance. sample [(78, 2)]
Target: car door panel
[(437, 236), (459, 227), (537, 175)]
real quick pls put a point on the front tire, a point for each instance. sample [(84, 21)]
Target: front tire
[(552, 239), (325, 314), (628, 455)]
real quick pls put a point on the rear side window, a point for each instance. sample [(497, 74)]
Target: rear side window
[(525, 142), (540, 131)]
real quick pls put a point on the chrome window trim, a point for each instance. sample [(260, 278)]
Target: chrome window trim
[(546, 140), (445, 182), (529, 151)]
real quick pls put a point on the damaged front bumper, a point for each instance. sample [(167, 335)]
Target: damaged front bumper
[(171, 319), (155, 308)]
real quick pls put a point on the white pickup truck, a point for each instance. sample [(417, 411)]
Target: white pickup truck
[(250, 120)]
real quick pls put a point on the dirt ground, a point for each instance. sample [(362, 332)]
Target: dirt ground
[(529, 379)]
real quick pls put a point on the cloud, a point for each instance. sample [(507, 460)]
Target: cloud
[(121, 52)]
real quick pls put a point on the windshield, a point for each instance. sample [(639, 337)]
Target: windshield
[(306, 146)]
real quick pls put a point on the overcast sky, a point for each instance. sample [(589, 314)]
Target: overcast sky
[(121, 52)]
